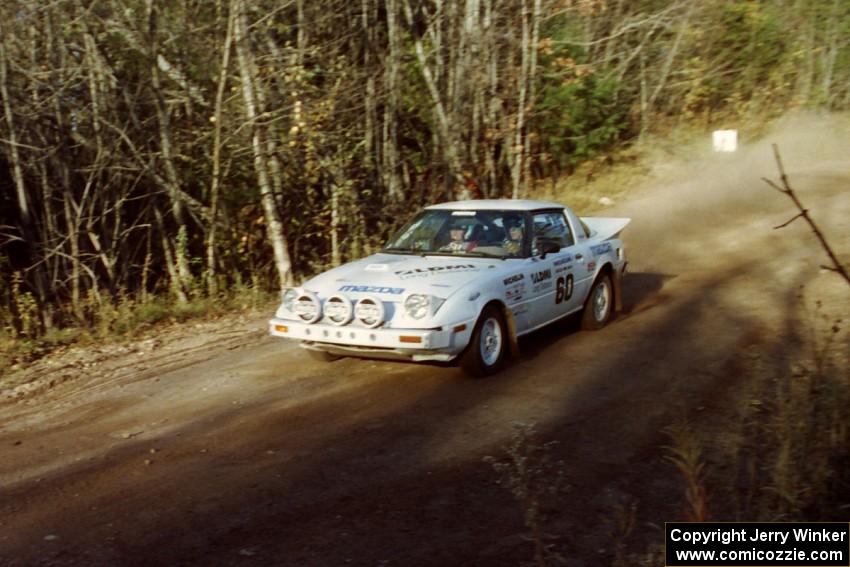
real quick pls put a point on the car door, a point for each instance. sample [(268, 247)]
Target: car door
[(552, 278)]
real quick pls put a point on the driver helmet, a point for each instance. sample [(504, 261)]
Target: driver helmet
[(512, 221), (459, 223)]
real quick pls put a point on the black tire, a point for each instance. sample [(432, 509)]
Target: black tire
[(322, 356), (488, 346), (599, 304)]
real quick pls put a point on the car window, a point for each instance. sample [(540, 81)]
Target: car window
[(551, 227), (495, 233)]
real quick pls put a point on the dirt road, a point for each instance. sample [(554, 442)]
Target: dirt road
[(227, 447)]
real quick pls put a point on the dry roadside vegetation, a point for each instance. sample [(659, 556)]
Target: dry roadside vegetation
[(779, 451)]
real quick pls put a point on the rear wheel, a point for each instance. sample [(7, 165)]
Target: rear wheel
[(597, 308), (487, 347)]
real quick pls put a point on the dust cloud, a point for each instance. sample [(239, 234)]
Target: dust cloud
[(698, 191)]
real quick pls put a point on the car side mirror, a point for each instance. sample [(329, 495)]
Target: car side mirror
[(548, 247)]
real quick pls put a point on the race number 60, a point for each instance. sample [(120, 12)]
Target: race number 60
[(564, 289)]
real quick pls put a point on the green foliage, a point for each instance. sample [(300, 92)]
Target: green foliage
[(580, 117), (740, 62)]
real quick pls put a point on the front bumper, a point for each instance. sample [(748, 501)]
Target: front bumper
[(440, 344)]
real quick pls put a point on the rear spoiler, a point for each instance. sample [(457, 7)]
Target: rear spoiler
[(605, 228)]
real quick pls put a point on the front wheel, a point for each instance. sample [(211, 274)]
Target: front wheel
[(487, 347), (597, 308)]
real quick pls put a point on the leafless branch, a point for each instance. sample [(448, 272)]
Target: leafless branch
[(787, 190)]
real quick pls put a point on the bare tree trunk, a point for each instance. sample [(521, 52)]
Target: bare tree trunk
[(166, 147), (493, 102), (273, 221), (644, 105), (671, 56), (28, 223), (302, 33), (830, 53), (518, 149), (14, 155), (391, 161), (73, 237), (532, 72), (336, 256), (446, 136), (215, 183), (170, 265)]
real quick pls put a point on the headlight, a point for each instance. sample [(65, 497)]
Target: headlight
[(369, 311), (307, 307), (417, 305), (338, 309), (288, 298)]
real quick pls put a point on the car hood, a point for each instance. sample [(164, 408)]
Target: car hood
[(391, 276)]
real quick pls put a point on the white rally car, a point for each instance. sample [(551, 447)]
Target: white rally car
[(462, 280)]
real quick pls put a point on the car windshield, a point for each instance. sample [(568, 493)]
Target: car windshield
[(492, 234)]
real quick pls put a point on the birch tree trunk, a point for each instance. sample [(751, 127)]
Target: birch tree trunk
[(517, 151), (532, 77), (184, 273), (14, 154), (215, 182), (391, 161), (443, 127), (274, 225)]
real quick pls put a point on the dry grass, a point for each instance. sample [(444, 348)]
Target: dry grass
[(531, 475), (127, 318)]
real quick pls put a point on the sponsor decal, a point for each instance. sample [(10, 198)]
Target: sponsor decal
[(372, 289), (591, 266), (433, 270), (564, 260), (513, 279), (546, 285), (519, 309), (514, 293), (600, 249), (542, 275)]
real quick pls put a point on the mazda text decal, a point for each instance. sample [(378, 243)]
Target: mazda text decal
[(372, 289)]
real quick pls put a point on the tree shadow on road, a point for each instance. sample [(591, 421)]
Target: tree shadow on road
[(391, 470), (641, 291)]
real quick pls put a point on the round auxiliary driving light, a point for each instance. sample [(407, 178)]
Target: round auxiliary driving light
[(338, 309), (307, 307), (369, 311)]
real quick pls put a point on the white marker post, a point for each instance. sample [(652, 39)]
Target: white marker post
[(725, 140)]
